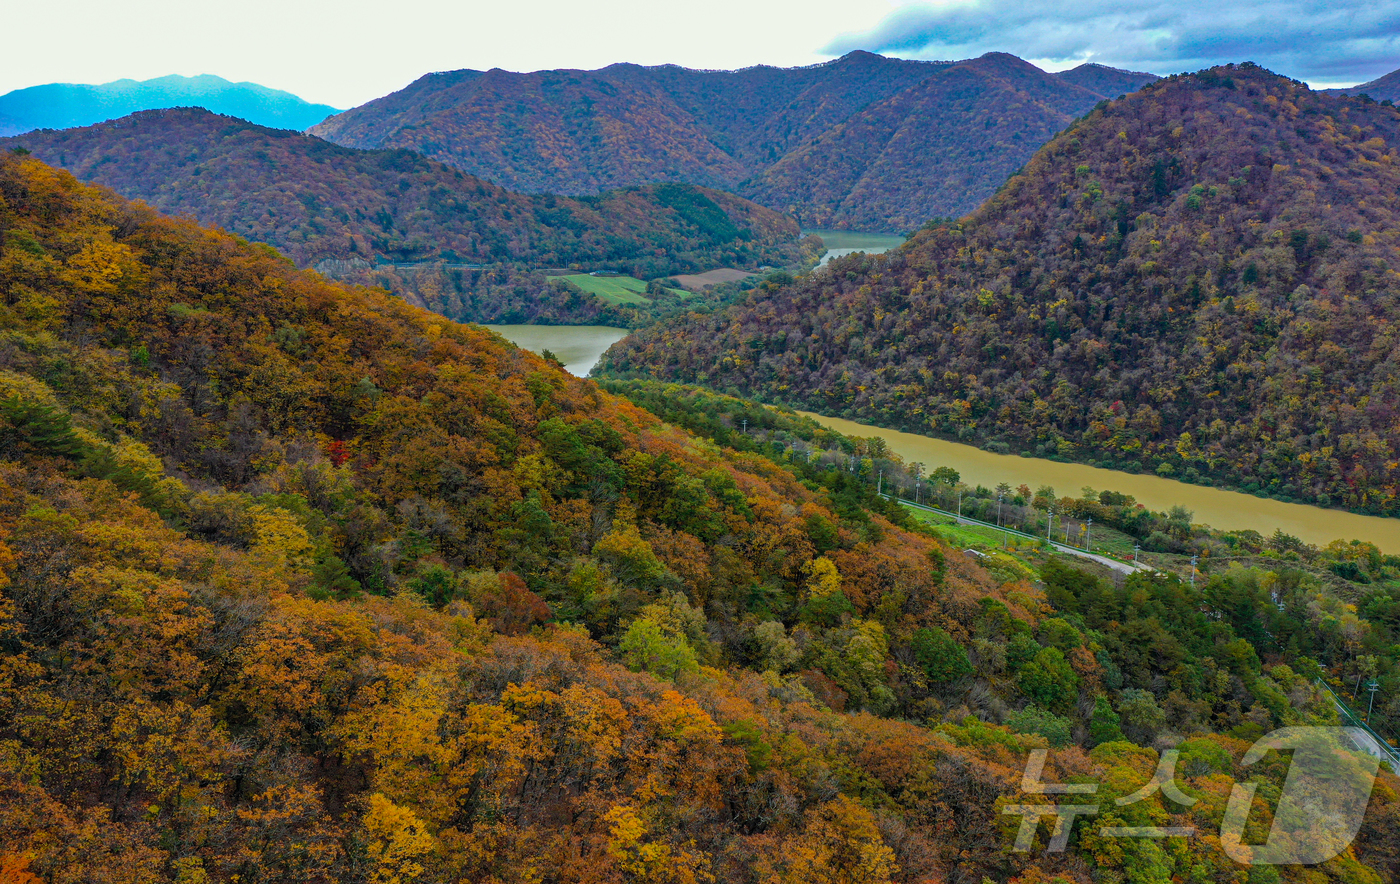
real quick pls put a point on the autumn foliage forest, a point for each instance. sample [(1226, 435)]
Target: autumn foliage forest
[(449, 242), (862, 142), (1196, 280), (936, 149), (299, 582)]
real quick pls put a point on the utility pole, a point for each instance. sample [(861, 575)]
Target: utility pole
[(1000, 523), (1194, 559), (1089, 535), (746, 426), (880, 488), (1372, 687), (1049, 522), (917, 489), (1135, 553), (959, 507)]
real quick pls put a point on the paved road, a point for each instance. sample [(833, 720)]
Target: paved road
[(1371, 746), (1370, 741), (1120, 567)]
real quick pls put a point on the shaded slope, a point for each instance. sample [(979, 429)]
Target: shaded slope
[(577, 132), (817, 138), (759, 114), (64, 105), (1106, 81), (936, 149), (1197, 280), (1386, 88)]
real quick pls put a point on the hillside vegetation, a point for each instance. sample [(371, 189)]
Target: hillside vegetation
[(355, 214), (1198, 280), (1386, 88), (814, 140), (935, 149), (301, 583)]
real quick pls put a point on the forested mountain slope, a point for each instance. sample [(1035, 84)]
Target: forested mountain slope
[(301, 583), (580, 132), (938, 148), (1199, 279), (348, 210), (64, 105), (1106, 81), (1386, 88)]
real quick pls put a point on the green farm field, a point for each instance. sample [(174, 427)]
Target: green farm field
[(614, 289)]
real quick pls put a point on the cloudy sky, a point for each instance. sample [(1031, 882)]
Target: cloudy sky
[(345, 53), (1336, 42)]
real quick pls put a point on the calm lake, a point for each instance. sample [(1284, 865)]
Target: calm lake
[(844, 242), (1212, 506), (579, 347)]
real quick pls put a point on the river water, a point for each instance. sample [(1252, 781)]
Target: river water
[(840, 243), (1212, 506), (579, 347)]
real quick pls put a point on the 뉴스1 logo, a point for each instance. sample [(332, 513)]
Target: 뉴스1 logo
[(1320, 808)]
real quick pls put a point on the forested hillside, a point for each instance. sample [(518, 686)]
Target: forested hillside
[(351, 212), (1198, 280), (1385, 88), (64, 105), (936, 149), (301, 583), (579, 132), (1106, 81)]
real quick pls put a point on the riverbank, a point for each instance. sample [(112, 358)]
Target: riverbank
[(1232, 510)]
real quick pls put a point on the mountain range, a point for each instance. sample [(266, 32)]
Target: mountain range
[(348, 211), (302, 583), (65, 105), (812, 140), (1194, 280)]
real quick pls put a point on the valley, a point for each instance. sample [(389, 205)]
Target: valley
[(1164, 288), (662, 475)]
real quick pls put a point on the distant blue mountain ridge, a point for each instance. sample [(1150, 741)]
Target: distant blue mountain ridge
[(65, 105)]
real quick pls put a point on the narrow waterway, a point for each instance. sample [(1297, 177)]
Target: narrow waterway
[(840, 243), (579, 347), (1212, 506)]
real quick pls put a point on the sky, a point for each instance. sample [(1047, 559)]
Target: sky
[(348, 52)]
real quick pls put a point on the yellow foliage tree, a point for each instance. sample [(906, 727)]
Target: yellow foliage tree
[(398, 842), (839, 845), (280, 543), (823, 579), (650, 862)]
